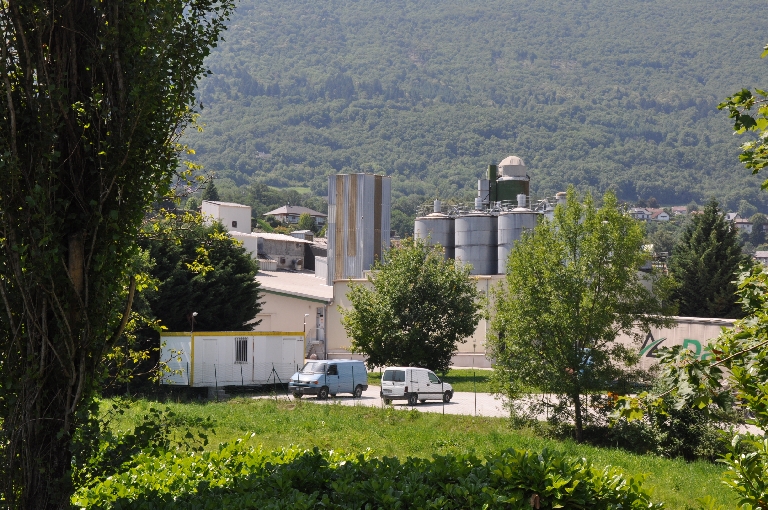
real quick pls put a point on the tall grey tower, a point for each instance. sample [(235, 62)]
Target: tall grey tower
[(359, 212)]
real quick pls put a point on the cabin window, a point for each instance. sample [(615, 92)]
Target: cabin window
[(241, 350)]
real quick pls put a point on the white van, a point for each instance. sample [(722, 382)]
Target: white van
[(414, 385), (329, 377)]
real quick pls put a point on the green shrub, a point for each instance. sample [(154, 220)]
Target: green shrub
[(237, 476)]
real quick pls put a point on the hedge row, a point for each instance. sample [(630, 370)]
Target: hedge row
[(241, 477)]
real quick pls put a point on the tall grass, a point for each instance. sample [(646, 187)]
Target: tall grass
[(402, 433)]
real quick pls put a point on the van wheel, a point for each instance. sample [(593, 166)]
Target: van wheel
[(333, 395), (358, 391), (323, 393), (297, 395), (447, 397), (422, 401), (387, 401), (412, 399)]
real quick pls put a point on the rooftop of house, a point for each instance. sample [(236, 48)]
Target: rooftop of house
[(294, 209), (301, 284), (273, 237), (227, 204), (761, 254)]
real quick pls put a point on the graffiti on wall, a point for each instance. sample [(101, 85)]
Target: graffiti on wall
[(651, 346)]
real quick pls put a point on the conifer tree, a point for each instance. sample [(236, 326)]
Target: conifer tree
[(210, 193), (704, 264)]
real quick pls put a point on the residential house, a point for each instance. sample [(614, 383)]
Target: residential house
[(679, 210), (659, 215), (743, 225), (640, 213), (762, 257), (291, 213)]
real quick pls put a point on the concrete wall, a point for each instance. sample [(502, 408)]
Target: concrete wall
[(692, 332), (250, 242), (234, 217), (288, 254), (286, 313)]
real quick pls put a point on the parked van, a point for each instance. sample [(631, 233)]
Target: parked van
[(329, 377), (413, 384)]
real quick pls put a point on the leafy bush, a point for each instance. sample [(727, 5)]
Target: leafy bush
[(237, 476), (689, 433), (100, 452)]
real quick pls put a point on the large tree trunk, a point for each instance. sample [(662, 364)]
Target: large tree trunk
[(578, 421), (93, 97)]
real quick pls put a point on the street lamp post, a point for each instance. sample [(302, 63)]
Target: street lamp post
[(192, 322)]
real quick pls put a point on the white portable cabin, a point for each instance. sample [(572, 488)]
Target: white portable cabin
[(229, 358)]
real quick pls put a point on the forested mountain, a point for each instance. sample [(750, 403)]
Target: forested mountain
[(602, 94)]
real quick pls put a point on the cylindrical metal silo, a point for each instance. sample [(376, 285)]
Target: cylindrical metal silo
[(476, 242), (512, 224), (439, 228)]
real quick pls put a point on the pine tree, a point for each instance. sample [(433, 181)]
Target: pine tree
[(210, 193), (704, 264)]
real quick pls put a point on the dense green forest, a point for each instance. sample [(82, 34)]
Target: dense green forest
[(601, 94)]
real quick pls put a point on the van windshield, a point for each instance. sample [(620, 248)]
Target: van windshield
[(313, 367), (394, 376)]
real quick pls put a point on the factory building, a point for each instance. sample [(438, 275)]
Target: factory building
[(482, 234)]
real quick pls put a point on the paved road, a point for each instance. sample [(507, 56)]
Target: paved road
[(480, 404)]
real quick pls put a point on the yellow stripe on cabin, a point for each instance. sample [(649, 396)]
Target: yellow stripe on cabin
[(237, 333)]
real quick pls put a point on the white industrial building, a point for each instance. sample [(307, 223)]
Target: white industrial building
[(234, 217)]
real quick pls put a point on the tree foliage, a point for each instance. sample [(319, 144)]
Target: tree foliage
[(734, 376), (210, 192), (306, 222), (417, 307), (704, 264), (422, 91), (749, 112), (572, 286), (202, 269), (95, 97)]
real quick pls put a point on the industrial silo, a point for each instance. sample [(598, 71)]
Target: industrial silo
[(476, 241), (438, 228), (512, 224), (359, 216), (512, 180)]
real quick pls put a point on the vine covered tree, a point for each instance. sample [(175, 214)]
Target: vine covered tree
[(415, 311), (704, 264), (572, 286), (94, 98)]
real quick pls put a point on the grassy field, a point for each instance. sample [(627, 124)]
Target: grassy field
[(389, 432)]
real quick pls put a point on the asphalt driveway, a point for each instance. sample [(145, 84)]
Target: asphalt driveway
[(472, 404)]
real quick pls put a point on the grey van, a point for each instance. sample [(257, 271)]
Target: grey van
[(329, 377)]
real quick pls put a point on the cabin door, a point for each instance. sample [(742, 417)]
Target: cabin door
[(210, 361)]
